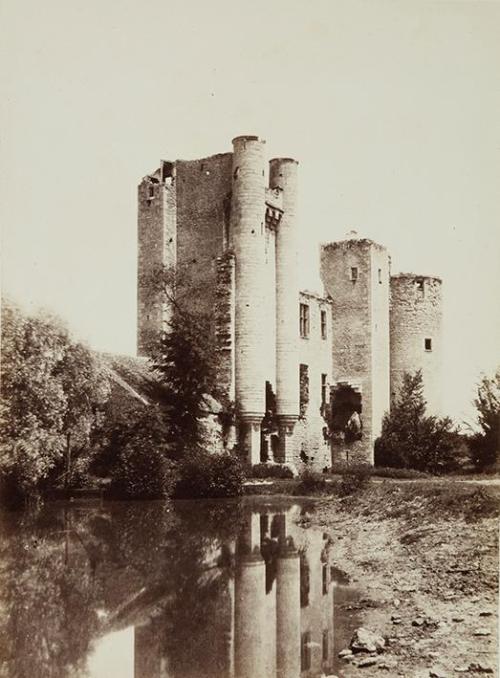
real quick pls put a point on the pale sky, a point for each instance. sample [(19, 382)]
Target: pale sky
[(392, 109)]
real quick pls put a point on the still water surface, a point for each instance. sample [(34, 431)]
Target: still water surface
[(233, 589)]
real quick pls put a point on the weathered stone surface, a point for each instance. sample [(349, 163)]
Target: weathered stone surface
[(364, 640)]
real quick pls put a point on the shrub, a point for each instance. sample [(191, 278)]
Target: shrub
[(484, 445), (410, 439), (143, 472), (400, 473), (138, 458), (271, 471), (311, 482), (354, 480), (205, 475)]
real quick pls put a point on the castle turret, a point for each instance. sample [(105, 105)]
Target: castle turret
[(355, 274), (248, 241), (283, 176), (416, 328)]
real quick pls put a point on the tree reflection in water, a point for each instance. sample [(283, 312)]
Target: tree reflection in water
[(210, 589)]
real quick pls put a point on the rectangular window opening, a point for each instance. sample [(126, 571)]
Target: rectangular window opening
[(323, 389), (304, 320), (303, 389), (305, 651), (325, 645), (323, 324), (428, 344), (379, 276), (354, 273)]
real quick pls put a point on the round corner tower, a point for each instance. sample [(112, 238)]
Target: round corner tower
[(283, 176), (248, 241), (416, 334)]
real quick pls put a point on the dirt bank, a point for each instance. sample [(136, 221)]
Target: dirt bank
[(426, 557)]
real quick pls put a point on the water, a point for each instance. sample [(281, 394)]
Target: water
[(150, 590)]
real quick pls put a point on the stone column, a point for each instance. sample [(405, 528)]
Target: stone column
[(248, 241), (283, 175)]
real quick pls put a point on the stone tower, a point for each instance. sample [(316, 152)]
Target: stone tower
[(355, 274), (283, 177), (248, 239), (416, 334)]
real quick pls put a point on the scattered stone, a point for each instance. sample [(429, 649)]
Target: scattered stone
[(457, 619), (482, 632), (369, 661), (345, 654), (461, 669), (407, 589), (366, 641), (478, 667), (485, 613), (388, 664), (433, 655), (419, 621), (396, 619), (437, 673), (396, 602)]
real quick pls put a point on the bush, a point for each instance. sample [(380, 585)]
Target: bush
[(354, 480), (271, 471), (400, 473), (143, 472), (410, 439), (137, 457), (311, 482), (205, 475)]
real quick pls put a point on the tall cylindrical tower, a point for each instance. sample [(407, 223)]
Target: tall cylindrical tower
[(283, 175), (248, 241), (416, 334)]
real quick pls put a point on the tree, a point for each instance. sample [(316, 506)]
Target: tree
[(410, 439), (185, 360), (87, 389), (33, 400), (51, 391), (484, 445)]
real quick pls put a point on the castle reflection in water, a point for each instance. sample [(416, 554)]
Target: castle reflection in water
[(149, 590), (278, 605)]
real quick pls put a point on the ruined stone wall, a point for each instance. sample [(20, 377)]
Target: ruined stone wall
[(416, 316), (349, 271), (203, 190), (157, 233), (380, 285), (315, 352), (224, 323)]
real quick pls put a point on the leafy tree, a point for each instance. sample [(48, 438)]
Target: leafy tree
[(185, 360), (33, 401), (51, 391), (87, 389), (410, 439), (484, 445)]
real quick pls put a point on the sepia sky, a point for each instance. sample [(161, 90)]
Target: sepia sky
[(392, 109)]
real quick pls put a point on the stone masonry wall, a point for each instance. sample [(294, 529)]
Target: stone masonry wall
[(203, 190), (416, 315), (315, 352), (352, 330), (224, 323), (157, 234)]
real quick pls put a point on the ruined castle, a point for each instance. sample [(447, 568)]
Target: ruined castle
[(311, 374)]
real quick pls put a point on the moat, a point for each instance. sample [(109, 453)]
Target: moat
[(186, 589)]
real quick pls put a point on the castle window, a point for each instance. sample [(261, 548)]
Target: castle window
[(151, 192), (379, 276), (305, 651), (303, 389), (354, 273), (323, 324), (428, 344), (304, 320), (325, 645), (323, 389), (325, 580), (421, 287)]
